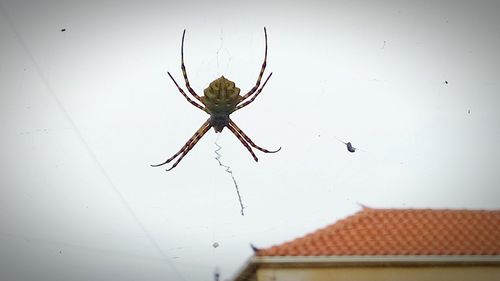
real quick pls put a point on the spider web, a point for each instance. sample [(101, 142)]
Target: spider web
[(230, 172)]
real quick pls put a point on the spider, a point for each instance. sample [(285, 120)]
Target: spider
[(219, 100)]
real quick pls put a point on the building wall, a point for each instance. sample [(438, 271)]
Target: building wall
[(442, 273)]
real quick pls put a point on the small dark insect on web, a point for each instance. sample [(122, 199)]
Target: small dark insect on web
[(349, 146), (63, 29)]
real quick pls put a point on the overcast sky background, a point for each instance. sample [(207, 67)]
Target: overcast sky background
[(86, 111)]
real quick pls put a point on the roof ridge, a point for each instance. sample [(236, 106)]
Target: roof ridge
[(374, 209)]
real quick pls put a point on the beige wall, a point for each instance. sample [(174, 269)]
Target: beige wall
[(442, 273)]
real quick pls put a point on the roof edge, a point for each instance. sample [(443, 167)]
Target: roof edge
[(380, 259)]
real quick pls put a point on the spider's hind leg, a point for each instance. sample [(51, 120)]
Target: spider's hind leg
[(247, 139), (187, 146), (242, 140)]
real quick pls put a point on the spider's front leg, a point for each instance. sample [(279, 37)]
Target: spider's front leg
[(261, 73), (255, 91), (184, 73), (186, 96), (245, 103), (187, 146)]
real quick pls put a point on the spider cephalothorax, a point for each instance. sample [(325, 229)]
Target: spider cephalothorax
[(220, 99)]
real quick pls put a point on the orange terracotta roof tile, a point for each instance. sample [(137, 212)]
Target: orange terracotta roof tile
[(401, 232)]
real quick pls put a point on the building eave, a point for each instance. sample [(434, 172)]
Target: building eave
[(374, 260), (248, 271)]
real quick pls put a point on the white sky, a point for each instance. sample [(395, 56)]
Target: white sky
[(84, 112)]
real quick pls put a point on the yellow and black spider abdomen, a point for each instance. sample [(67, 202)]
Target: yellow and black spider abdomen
[(221, 96)]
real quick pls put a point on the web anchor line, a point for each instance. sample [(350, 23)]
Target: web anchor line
[(85, 144), (228, 170)]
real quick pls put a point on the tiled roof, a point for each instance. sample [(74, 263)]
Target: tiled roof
[(401, 232)]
